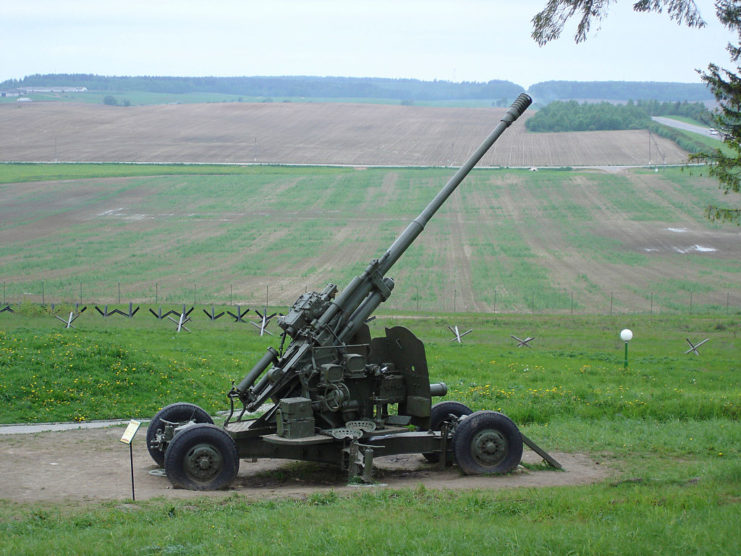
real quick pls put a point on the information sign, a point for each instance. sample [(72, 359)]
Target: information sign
[(130, 431)]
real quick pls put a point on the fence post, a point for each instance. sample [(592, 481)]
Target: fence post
[(572, 303)]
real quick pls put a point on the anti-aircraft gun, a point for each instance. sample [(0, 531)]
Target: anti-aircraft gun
[(336, 395)]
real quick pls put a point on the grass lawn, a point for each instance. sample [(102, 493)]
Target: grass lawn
[(667, 426)]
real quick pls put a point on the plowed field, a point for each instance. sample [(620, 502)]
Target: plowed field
[(305, 133)]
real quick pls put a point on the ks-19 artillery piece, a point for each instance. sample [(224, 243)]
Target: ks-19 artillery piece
[(336, 395)]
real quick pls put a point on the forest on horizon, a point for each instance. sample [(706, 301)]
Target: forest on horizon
[(500, 92)]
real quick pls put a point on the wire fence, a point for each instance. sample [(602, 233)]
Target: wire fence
[(567, 302)]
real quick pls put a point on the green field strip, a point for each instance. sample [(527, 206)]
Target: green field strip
[(507, 257), (181, 230), (510, 267), (688, 194), (423, 270), (20, 172), (622, 196), (700, 191), (36, 206), (417, 277)]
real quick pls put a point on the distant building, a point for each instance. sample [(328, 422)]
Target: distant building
[(27, 90)]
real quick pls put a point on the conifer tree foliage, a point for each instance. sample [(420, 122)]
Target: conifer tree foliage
[(725, 84), (726, 87), (548, 23)]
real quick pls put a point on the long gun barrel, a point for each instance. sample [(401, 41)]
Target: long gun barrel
[(319, 320), (417, 225)]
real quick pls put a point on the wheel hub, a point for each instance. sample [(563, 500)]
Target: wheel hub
[(489, 447), (203, 462)]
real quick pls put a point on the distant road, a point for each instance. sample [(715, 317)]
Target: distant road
[(687, 127)]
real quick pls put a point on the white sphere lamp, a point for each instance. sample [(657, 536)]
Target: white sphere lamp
[(626, 335)]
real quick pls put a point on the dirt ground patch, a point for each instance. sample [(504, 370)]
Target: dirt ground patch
[(93, 464)]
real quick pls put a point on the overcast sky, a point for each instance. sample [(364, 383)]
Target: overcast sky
[(454, 40)]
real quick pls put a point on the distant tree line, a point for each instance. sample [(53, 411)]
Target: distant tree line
[(548, 91), (285, 86), (681, 139), (500, 92), (574, 116)]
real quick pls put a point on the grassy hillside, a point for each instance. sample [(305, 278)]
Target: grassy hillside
[(667, 429), (548, 241), (569, 257), (106, 368)]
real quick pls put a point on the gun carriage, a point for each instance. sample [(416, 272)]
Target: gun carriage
[(336, 395)]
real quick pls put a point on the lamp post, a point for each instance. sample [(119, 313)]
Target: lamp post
[(626, 335)]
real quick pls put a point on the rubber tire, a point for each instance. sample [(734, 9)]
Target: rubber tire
[(176, 412), (438, 414), (486, 430), (207, 443)]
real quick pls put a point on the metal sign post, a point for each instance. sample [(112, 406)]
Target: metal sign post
[(127, 438)]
